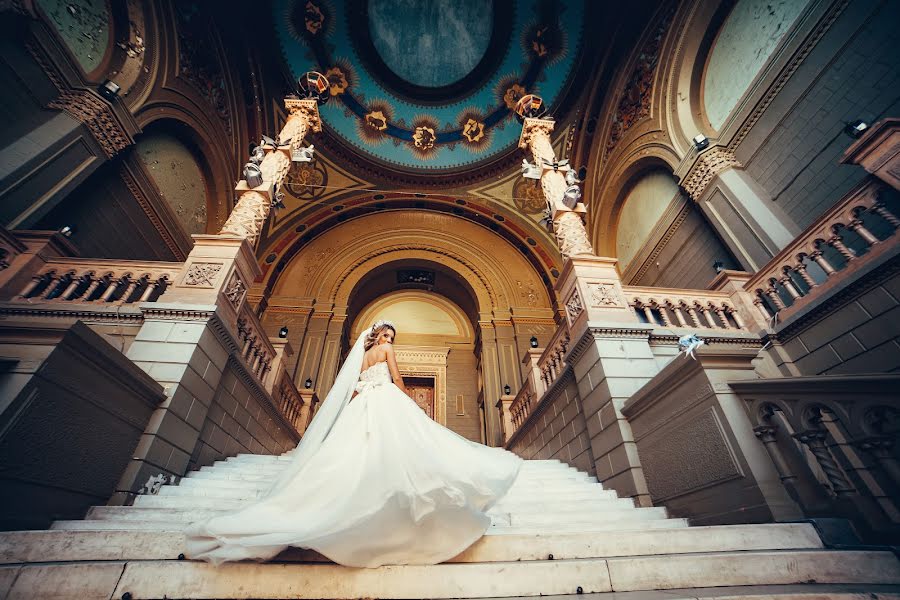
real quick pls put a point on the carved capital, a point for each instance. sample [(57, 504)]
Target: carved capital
[(708, 164), (533, 129)]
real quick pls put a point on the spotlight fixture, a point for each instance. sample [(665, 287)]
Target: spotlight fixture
[(253, 175), (67, 231), (278, 201), (109, 89), (530, 106), (856, 128), (302, 154), (701, 142), (282, 333), (313, 86), (308, 383), (719, 266), (530, 171), (534, 342), (507, 390)]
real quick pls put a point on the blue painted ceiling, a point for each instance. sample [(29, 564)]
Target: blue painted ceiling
[(428, 85)]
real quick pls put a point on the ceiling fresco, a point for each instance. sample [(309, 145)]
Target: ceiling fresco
[(429, 86)]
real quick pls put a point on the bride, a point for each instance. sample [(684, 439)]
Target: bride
[(374, 481)]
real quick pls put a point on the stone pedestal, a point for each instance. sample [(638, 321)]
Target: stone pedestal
[(611, 358), (506, 425), (310, 405), (697, 446), (878, 151)]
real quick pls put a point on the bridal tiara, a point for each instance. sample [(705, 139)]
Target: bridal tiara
[(381, 323)]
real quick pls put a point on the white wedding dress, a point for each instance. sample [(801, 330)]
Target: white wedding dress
[(387, 485)]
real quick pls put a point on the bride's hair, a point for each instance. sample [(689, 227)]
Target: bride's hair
[(377, 328)]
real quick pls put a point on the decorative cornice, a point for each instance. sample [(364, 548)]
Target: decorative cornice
[(745, 341), (149, 210), (707, 165), (593, 333), (170, 312), (67, 312)]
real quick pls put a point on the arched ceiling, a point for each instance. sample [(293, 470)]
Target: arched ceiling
[(424, 87)]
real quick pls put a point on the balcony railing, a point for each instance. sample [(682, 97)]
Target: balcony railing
[(690, 309), (833, 441), (99, 281), (856, 230), (550, 366)]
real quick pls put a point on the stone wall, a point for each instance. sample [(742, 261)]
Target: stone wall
[(855, 330), (74, 409), (461, 380), (557, 429), (240, 420)]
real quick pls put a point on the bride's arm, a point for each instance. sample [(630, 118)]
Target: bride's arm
[(392, 367)]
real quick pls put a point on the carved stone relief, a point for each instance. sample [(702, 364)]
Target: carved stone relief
[(235, 291), (574, 306), (604, 295), (202, 274)]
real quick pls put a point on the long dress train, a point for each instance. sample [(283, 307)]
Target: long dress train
[(387, 486)]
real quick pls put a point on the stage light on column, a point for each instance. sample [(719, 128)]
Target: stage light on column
[(530, 106), (856, 128), (308, 383), (313, 86), (109, 89), (282, 333), (701, 142), (534, 342)]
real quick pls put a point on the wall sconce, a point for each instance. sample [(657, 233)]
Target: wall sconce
[(507, 390), (701, 142), (719, 266), (856, 128), (308, 383), (282, 333), (67, 231), (534, 342)]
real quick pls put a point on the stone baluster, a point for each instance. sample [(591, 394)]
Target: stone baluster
[(881, 210), (36, 280), (880, 448), (800, 269), (648, 313), (152, 286), (736, 316), (824, 264), (788, 283), (55, 284), (663, 315), (772, 293), (761, 305), (815, 441), (69, 292), (706, 320), (676, 310), (692, 314), (857, 227), (113, 286), (720, 312), (95, 283), (766, 434), (129, 290), (837, 243), (253, 207)]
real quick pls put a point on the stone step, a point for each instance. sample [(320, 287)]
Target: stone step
[(243, 492), (189, 579), (519, 487), (265, 475), (513, 506), (556, 528), (62, 545), (189, 515)]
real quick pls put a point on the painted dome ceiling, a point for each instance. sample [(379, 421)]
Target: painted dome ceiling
[(428, 86)]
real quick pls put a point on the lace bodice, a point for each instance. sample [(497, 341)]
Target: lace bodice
[(377, 374)]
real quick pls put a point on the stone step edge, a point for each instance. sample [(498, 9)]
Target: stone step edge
[(54, 545), (182, 579)]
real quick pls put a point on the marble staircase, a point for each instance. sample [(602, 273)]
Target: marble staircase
[(557, 532)]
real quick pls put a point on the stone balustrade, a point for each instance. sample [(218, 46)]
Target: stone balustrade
[(836, 244), (690, 309), (99, 281), (833, 441), (550, 366), (289, 401), (256, 350)]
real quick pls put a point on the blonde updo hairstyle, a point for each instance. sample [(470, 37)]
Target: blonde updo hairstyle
[(377, 328)]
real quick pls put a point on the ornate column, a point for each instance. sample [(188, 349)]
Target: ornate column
[(254, 204), (570, 232)]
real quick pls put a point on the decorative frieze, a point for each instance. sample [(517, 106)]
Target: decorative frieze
[(708, 164)]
